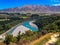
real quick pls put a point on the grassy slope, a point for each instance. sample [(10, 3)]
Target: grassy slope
[(38, 41), (58, 42)]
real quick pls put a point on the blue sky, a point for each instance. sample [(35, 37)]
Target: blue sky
[(17, 3)]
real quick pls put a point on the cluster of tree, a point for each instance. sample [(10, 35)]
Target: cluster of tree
[(22, 39), (53, 27), (34, 16), (6, 25), (45, 20), (48, 24)]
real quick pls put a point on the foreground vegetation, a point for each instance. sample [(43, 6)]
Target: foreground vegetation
[(41, 40), (58, 42), (46, 24)]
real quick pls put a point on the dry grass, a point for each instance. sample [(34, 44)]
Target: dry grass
[(40, 39), (1, 43)]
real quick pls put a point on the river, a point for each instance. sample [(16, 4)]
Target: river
[(25, 26)]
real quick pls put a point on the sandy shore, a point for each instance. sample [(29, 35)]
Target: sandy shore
[(20, 28)]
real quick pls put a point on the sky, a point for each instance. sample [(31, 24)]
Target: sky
[(19, 3)]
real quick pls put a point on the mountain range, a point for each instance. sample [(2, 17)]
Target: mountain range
[(32, 8)]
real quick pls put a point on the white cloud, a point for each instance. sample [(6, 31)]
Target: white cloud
[(55, 0), (56, 4)]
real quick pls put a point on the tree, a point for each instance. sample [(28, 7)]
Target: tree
[(29, 33), (43, 32), (18, 36), (51, 27), (10, 38), (1, 28)]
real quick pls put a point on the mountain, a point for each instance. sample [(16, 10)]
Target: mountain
[(33, 8)]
